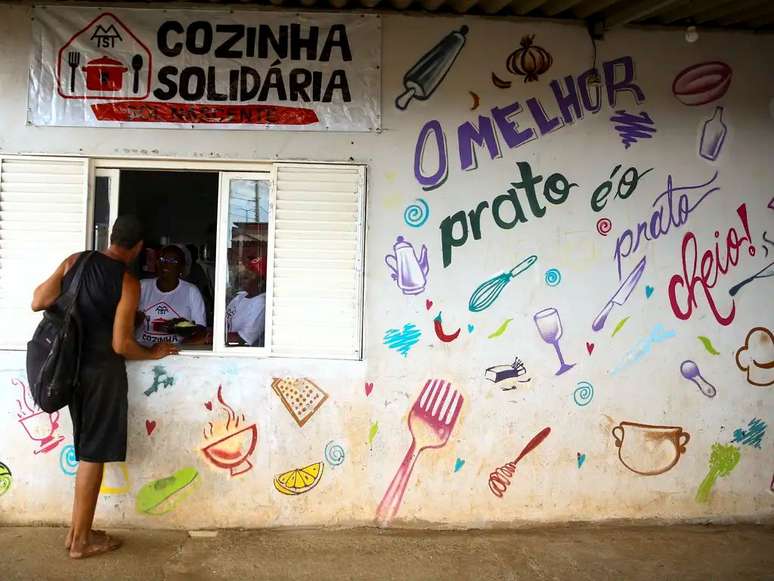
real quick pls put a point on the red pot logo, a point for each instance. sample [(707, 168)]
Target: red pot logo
[(104, 74), (104, 61)]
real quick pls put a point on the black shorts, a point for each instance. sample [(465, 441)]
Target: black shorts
[(99, 410)]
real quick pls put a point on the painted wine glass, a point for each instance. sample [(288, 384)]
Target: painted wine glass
[(549, 326)]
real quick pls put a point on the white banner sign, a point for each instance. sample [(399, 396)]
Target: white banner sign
[(205, 68)]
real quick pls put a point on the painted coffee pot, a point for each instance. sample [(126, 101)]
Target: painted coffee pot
[(408, 270)]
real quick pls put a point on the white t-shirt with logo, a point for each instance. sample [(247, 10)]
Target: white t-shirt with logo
[(246, 316), (185, 302)]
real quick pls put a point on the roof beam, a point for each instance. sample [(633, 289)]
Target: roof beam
[(462, 6), (431, 5), (689, 10), (634, 11), (522, 7), (728, 10), (590, 7), (555, 7), (747, 15), (493, 6), (397, 4)]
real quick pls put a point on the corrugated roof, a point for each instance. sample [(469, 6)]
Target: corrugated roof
[(754, 15)]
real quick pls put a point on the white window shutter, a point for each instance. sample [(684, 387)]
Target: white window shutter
[(317, 260), (43, 211)]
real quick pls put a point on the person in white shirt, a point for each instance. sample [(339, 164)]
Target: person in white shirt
[(167, 298), (245, 313)]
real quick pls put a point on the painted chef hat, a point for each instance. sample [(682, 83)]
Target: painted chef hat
[(756, 357)]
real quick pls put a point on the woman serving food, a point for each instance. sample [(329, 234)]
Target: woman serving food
[(171, 309)]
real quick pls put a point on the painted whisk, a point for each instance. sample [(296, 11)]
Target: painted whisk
[(430, 421), (487, 292)]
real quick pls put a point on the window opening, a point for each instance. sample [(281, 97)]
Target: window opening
[(177, 268)]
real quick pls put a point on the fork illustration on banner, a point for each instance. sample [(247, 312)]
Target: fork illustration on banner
[(430, 421), (73, 60)]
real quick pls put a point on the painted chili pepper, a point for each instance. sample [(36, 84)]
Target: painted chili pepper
[(440, 333)]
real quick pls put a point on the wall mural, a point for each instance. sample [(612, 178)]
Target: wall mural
[(40, 427), (421, 80), (756, 357), (648, 449), (228, 446), (299, 480), (161, 378), (549, 326), (499, 480), (6, 479), (408, 270), (300, 396), (334, 454), (163, 495), (723, 460), (431, 421), (702, 83), (656, 212), (690, 371)]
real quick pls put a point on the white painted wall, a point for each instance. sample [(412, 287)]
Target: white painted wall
[(494, 425)]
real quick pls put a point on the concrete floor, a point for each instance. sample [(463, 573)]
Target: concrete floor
[(573, 552)]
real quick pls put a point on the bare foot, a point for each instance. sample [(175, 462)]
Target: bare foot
[(97, 545), (69, 538)]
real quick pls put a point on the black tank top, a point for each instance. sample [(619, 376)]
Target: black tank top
[(97, 301)]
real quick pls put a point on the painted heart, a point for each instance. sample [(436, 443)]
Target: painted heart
[(459, 464), (402, 340), (470, 328), (648, 291), (589, 347), (208, 405), (581, 459), (428, 304), (150, 425), (369, 388)]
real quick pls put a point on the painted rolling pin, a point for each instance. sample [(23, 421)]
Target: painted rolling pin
[(425, 76)]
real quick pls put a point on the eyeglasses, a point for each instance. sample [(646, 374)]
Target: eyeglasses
[(165, 260)]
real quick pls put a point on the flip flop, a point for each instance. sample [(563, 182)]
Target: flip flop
[(93, 549)]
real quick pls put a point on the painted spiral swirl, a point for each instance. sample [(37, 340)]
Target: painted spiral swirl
[(583, 393), (417, 214), (553, 277), (334, 454), (67, 461)]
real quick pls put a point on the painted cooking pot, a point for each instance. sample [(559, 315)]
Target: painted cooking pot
[(647, 449)]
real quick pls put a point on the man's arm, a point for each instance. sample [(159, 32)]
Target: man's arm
[(47, 292), (124, 342)]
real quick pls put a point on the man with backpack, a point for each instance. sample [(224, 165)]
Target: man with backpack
[(106, 302)]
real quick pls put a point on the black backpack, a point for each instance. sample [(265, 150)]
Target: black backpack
[(54, 354)]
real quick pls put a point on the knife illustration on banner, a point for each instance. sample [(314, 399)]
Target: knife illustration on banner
[(621, 295)]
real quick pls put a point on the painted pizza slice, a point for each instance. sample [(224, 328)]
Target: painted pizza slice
[(301, 397)]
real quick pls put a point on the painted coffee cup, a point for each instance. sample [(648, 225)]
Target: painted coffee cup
[(647, 449)]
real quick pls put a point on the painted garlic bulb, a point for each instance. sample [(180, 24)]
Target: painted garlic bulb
[(530, 60)]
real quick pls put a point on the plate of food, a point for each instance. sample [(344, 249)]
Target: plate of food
[(180, 326)]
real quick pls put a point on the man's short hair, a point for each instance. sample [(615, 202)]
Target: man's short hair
[(127, 231)]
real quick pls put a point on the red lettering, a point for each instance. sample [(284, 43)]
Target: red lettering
[(710, 268)]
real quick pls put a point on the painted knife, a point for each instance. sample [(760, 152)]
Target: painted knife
[(621, 295)]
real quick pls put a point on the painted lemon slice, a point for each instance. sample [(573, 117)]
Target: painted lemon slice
[(299, 480)]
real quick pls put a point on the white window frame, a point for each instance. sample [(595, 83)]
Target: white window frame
[(221, 269), (232, 168)]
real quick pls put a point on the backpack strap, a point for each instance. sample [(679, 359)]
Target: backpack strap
[(69, 297)]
